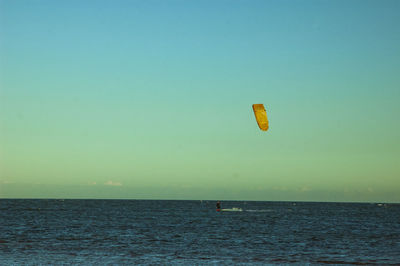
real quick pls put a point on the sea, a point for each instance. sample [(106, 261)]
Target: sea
[(178, 232)]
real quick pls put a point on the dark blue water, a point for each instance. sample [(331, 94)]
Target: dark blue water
[(192, 232)]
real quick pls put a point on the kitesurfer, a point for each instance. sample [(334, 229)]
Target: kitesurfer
[(218, 205)]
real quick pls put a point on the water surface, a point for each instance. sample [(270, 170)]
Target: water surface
[(192, 232)]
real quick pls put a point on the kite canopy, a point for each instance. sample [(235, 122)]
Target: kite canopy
[(261, 116)]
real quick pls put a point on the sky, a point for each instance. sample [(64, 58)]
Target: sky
[(152, 100)]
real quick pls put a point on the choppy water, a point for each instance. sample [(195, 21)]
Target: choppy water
[(192, 232)]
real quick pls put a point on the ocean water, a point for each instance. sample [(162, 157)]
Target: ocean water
[(157, 232)]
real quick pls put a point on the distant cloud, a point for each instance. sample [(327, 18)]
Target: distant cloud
[(280, 188), (305, 189), (112, 183)]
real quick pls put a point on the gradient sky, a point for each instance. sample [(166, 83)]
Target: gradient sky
[(152, 99)]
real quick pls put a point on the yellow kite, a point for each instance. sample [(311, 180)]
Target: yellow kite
[(261, 116)]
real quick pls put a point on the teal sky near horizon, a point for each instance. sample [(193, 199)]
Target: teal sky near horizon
[(152, 99)]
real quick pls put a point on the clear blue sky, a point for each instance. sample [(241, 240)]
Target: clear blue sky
[(152, 99)]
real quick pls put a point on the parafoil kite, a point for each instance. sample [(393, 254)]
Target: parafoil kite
[(261, 116)]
